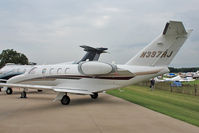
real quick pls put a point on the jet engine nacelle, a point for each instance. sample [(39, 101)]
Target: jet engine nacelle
[(95, 68)]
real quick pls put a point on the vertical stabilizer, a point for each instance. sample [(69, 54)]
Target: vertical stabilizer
[(162, 50)]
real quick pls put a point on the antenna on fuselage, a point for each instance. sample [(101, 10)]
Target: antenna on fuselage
[(92, 54)]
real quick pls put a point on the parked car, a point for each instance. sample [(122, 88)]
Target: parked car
[(176, 84)]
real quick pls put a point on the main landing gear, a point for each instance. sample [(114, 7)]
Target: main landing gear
[(65, 100), (9, 91)]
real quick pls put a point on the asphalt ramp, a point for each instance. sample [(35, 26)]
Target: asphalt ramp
[(107, 114)]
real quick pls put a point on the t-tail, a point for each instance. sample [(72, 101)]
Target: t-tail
[(162, 50)]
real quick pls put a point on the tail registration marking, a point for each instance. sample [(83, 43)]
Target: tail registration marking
[(153, 54)]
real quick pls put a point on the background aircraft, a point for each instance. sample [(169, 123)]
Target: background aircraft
[(92, 77), (10, 70), (179, 78)]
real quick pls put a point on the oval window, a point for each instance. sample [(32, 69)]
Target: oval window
[(44, 71)]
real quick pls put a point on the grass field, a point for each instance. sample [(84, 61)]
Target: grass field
[(196, 82), (180, 106)]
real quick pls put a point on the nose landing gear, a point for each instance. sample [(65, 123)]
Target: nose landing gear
[(94, 96), (9, 91)]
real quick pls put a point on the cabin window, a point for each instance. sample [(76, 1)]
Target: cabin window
[(59, 71), (44, 71), (33, 70)]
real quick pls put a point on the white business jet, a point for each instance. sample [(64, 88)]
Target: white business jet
[(93, 77), (10, 69)]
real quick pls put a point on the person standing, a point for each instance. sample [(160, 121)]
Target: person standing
[(152, 84)]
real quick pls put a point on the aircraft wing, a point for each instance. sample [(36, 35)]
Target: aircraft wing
[(72, 90), (25, 86), (55, 88)]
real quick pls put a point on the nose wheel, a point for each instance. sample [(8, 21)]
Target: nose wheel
[(65, 100), (94, 96), (9, 91)]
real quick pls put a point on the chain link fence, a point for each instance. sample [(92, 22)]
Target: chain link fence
[(191, 89)]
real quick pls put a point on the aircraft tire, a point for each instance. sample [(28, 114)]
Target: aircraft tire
[(94, 96), (65, 100), (9, 91), (39, 90), (23, 94)]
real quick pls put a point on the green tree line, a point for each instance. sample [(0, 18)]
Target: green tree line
[(12, 56)]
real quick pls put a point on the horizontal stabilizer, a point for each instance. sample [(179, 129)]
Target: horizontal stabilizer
[(98, 50), (92, 54)]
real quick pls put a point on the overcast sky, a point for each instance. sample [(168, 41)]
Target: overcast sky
[(50, 31)]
